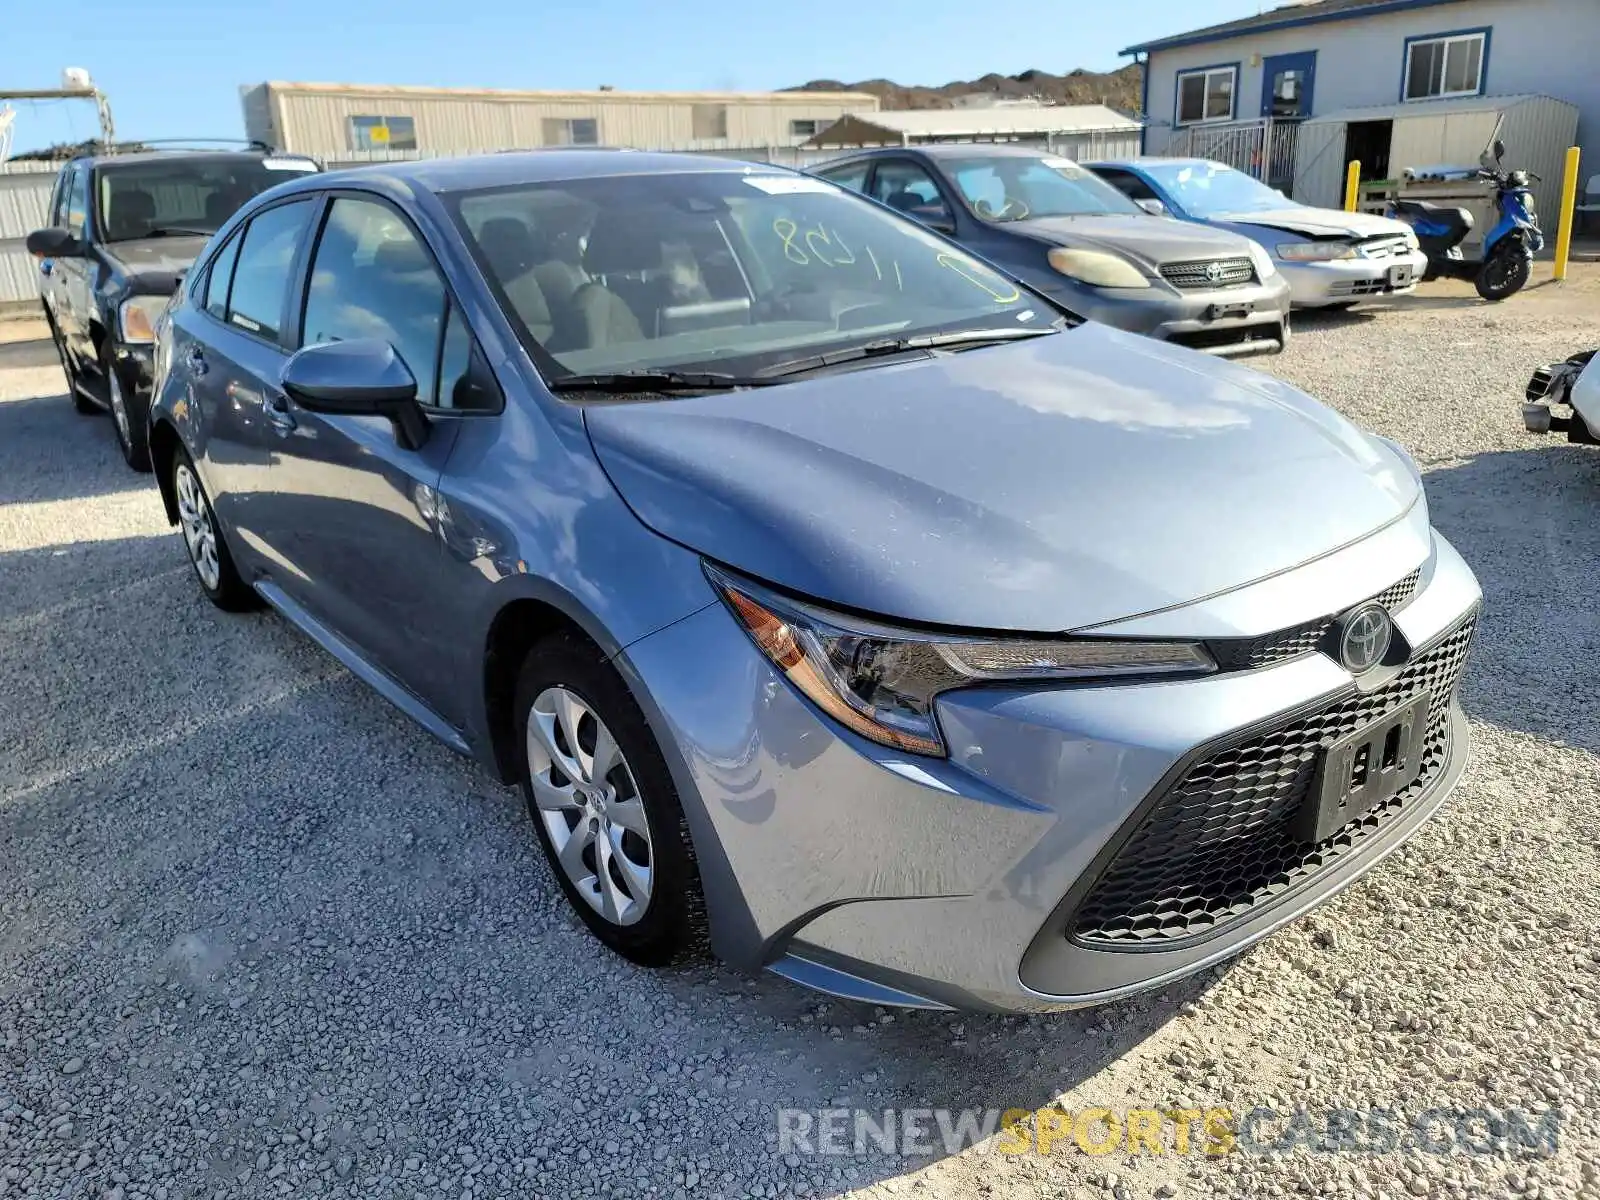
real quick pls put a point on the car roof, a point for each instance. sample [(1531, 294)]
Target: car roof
[(544, 166), (154, 156), (1150, 160), (951, 150)]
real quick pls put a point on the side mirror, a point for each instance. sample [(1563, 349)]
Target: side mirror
[(55, 242), (363, 378), (1153, 206)]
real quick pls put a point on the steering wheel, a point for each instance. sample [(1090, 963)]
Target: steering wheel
[(1013, 210)]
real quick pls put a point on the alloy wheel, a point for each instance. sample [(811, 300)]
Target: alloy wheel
[(199, 531), (586, 796)]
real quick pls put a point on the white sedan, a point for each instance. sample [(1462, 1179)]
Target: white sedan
[(1331, 258)]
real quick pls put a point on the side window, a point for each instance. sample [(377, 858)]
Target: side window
[(58, 198), (851, 175), (261, 274), (219, 277), (77, 216), (1129, 184), (910, 189), (455, 362), (372, 278)]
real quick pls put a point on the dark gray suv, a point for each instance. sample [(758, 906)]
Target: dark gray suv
[(1064, 231)]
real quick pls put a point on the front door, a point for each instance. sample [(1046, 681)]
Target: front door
[(354, 509), (1287, 85)]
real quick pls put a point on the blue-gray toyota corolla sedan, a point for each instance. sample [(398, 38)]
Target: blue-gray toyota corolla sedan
[(834, 600)]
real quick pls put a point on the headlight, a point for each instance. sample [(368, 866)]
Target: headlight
[(1265, 267), (1315, 251), (881, 682), (138, 317), (1097, 268)]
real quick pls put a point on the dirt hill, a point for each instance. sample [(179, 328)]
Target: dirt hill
[(1119, 89)]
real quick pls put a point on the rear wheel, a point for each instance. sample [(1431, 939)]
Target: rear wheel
[(202, 537), (604, 806), (127, 415), (1505, 274)]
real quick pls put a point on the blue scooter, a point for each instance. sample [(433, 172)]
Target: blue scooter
[(1508, 248)]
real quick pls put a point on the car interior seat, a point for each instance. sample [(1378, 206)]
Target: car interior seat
[(133, 212), (618, 303), (510, 247)]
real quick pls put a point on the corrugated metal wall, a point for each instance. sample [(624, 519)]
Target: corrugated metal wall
[(24, 198), (1538, 135), (316, 121)]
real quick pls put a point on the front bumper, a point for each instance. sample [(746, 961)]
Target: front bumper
[(1314, 285), (1232, 320), (899, 879)]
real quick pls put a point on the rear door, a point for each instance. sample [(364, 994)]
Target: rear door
[(233, 361)]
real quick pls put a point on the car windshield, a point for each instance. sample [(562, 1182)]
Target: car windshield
[(1208, 190), (1016, 187), (723, 271), (183, 195)]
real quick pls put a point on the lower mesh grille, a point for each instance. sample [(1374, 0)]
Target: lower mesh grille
[(1247, 654), (1221, 841)]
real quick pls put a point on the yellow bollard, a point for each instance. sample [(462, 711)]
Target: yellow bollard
[(1352, 184), (1569, 200)]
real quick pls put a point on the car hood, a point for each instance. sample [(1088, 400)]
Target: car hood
[(1318, 222), (1040, 486), (1150, 239), (156, 264)]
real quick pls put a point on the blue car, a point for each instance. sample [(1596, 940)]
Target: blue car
[(1331, 258), (832, 599)]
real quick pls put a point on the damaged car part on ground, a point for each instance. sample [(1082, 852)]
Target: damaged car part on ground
[(123, 229), (1574, 386), (831, 597)]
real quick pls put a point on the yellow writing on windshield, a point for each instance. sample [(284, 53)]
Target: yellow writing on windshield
[(962, 267)]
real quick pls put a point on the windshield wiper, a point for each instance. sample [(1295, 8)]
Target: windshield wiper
[(929, 341), (653, 381), (176, 231)]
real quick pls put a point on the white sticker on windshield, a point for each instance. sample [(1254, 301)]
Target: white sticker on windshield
[(784, 185), (1026, 314), (1060, 164), (288, 164)]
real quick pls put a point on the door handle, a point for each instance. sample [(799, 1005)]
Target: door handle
[(195, 360), (276, 408)]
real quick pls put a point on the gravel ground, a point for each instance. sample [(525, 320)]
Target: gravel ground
[(260, 936)]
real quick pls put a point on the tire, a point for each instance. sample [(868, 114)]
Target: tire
[(649, 906), (202, 538), (80, 402), (129, 420), (1504, 275)]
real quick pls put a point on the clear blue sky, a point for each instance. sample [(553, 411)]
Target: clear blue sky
[(173, 68)]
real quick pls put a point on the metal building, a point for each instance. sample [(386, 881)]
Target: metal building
[(1073, 130), (25, 189), (340, 122)]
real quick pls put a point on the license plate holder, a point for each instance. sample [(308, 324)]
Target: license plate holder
[(1364, 769), (1401, 276), (1223, 312)]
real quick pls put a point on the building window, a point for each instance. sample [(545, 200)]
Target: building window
[(1206, 95), (571, 131), (805, 129), (709, 120), (1449, 64), (382, 133)]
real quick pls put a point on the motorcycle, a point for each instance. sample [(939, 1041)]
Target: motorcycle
[(1508, 248)]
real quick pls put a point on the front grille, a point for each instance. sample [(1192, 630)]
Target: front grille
[(1221, 840), (1358, 287), (1247, 654), (1206, 274), (1387, 246)]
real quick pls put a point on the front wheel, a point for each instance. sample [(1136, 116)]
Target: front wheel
[(127, 415), (604, 805), (1505, 274)]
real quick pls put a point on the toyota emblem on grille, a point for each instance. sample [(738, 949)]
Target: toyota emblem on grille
[(1365, 638), (1214, 272)]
